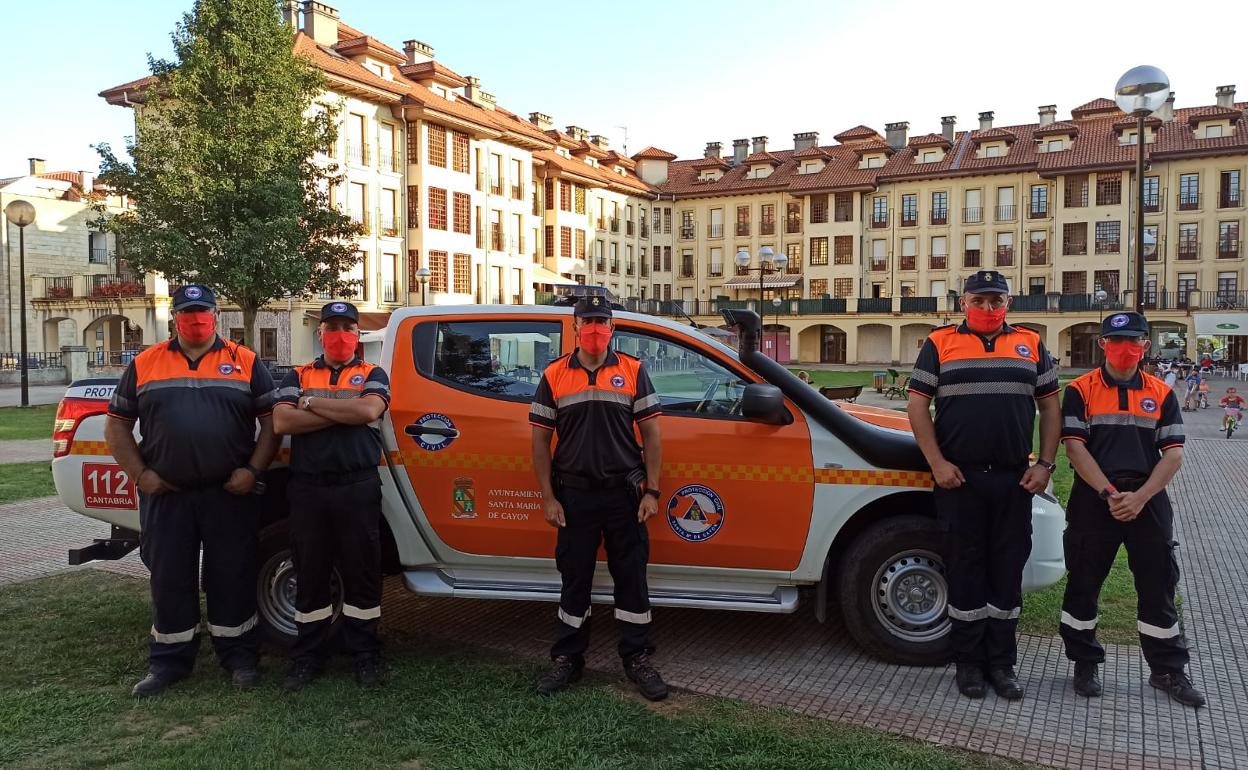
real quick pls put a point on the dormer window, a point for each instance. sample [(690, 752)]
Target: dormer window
[(710, 175), (760, 171), (563, 151), (931, 156), (1213, 131), (441, 91), (992, 150), (872, 161), (812, 167), (1055, 145)]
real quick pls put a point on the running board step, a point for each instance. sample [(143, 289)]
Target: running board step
[(436, 582)]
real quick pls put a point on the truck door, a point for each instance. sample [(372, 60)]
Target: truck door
[(465, 383), (736, 493)]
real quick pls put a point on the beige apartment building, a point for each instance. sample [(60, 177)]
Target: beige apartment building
[(880, 229)]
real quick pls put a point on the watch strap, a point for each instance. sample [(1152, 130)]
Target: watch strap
[(653, 493)]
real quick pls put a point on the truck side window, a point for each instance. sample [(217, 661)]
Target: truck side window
[(498, 359), (688, 382)]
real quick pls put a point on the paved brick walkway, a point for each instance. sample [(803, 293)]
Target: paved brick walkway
[(792, 661), (25, 450)]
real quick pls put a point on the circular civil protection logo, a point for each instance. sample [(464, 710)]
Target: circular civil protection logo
[(430, 441), (226, 368), (1119, 321), (1023, 351), (194, 292), (695, 513), (617, 381), (357, 379), (338, 307), (1148, 405)]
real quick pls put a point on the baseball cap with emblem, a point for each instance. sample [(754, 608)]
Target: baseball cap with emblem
[(340, 310), (987, 282), (193, 296), (1124, 325), (592, 307)]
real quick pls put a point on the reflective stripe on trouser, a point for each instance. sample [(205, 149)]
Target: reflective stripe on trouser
[(988, 520), (1092, 540), (174, 527), (594, 517), (336, 524)]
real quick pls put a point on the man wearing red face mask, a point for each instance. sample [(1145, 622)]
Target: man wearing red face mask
[(1123, 431), (196, 398), (328, 407), (988, 379), (599, 486)]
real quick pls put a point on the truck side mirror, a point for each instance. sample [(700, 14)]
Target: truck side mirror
[(764, 403)]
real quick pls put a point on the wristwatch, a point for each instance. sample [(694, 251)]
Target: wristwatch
[(653, 493), (306, 403), (1048, 466), (1108, 491)]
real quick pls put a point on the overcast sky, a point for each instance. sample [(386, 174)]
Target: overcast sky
[(678, 74)]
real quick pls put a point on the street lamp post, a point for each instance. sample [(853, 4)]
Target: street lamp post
[(422, 276), (22, 213), (778, 263), (775, 333), (1141, 91)]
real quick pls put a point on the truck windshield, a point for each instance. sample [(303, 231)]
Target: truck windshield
[(686, 380)]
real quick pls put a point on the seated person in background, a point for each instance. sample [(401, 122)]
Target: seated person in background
[(804, 377)]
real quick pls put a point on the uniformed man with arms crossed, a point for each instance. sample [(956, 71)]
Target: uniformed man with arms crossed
[(197, 399), (1123, 431), (597, 490), (328, 407), (988, 380)]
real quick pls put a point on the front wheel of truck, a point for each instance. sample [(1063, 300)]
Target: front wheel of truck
[(893, 591), (275, 588)]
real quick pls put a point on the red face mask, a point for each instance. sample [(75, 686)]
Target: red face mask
[(984, 321), (340, 346), (594, 338), (196, 327), (1123, 355)]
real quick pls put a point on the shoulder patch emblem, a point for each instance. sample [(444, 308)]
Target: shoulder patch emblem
[(1023, 351), (226, 368), (1149, 405)]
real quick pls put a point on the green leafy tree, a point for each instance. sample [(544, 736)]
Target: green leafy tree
[(227, 188)]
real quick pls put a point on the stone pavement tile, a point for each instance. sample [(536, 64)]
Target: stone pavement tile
[(25, 450)]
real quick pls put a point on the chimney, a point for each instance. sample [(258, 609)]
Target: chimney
[(713, 150), (1166, 113), (600, 140), (1226, 97), (1048, 115), (740, 149), (472, 91), (320, 22), (87, 180), (417, 52), (541, 120), (985, 120), (290, 13), (948, 127), (37, 166), (577, 133), (896, 134), (760, 144), (805, 140)]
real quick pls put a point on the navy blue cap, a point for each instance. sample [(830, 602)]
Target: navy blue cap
[(193, 295), (987, 282), (1124, 325), (340, 310), (592, 307)]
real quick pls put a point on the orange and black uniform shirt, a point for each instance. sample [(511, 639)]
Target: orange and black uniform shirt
[(1126, 425), (197, 418), (985, 392), (336, 448), (593, 413)]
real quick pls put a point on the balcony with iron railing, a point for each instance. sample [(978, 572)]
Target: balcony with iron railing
[(843, 214), (766, 228), (938, 217), (517, 192), (714, 231), (743, 228), (108, 285), (358, 154), (1189, 249), (389, 225), (537, 201), (938, 262), (1189, 201), (792, 225), (1228, 248), (98, 256), (970, 258), (1005, 256), (496, 185), (1230, 199), (919, 304), (686, 268), (645, 229), (390, 161), (1038, 211), (972, 215), (483, 178), (615, 265), (645, 268), (629, 227), (389, 290), (1006, 213), (1152, 203), (362, 219), (879, 265), (1038, 253), (613, 224), (715, 270), (601, 265), (909, 218), (1224, 299), (686, 232), (61, 287), (907, 262), (879, 221), (496, 237)]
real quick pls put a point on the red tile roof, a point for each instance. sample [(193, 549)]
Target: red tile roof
[(335, 63), (366, 45), (1094, 107), (856, 133), (763, 157), (1198, 114), (930, 140), (654, 153), (1129, 121), (1060, 128), (432, 70), (994, 134), (712, 162), (811, 152), (876, 145)]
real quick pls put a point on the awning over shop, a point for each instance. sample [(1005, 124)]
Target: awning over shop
[(542, 275), (1222, 324), (769, 282), (369, 322)]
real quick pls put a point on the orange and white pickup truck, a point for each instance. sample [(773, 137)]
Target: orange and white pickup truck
[(769, 488)]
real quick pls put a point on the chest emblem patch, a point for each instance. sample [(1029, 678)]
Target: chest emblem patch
[(617, 381), (357, 379), (226, 368), (1148, 405), (1023, 351)]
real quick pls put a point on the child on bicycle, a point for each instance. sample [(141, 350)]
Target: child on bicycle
[(1193, 386), (1204, 393), (1232, 404)]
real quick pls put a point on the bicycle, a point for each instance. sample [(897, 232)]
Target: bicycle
[(1231, 421)]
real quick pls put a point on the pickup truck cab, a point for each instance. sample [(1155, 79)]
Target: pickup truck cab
[(768, 488)]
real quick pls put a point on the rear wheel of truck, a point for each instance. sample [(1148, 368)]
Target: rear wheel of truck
[(275, 588), (893, 592)]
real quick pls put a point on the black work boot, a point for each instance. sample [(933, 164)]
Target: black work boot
[(565, 671), (1006, 683), (245, 677), (970, 680), (1178, 686), (1087, 683), (641, 672), (370, 671), (151, 685), (301, 674)]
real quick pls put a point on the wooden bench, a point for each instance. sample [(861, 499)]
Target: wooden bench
[(841, 392)]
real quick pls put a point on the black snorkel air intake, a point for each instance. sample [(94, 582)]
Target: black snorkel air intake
[(882, 448)]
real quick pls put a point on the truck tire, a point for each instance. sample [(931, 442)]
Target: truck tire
[(893, 593), (275, 588)]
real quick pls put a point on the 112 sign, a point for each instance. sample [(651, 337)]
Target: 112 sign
[(106, 485)]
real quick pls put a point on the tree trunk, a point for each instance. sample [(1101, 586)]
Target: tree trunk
[(249, 327)]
